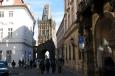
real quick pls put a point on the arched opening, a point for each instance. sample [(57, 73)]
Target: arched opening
[(104, 38), (46, 49), (47, 55)]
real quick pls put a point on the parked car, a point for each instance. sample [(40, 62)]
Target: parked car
[(4, 68)]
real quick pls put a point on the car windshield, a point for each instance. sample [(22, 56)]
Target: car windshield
[(2, 65)]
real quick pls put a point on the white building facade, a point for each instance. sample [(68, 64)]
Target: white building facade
[(16, 31)]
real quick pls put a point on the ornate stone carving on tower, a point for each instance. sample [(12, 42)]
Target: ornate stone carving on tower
[(46, 26)]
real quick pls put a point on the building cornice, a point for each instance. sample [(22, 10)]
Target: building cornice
[(72, 28), (16, 43)]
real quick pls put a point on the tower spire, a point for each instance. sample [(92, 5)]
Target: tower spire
[(46, 12)]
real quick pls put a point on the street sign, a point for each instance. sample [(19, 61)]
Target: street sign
[(81, 42)]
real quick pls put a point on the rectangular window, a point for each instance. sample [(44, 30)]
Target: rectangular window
[(73, 53), (43, 32), (47, 32), (10, 13), (0, 55), (65, 53), (8, 56), (1, 33), (1, 14), (10, 30), (69, 52)]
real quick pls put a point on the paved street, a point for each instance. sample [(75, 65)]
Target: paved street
[(35, 72)]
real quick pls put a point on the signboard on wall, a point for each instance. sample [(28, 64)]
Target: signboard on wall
[(81, 42)]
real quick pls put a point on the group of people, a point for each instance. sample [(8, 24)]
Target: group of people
[(53, 64), (23, 64), (44, 65)]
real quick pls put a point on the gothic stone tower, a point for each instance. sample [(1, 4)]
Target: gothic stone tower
[(46, 29)]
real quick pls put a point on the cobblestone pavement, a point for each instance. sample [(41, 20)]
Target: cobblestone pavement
[(36, 72)]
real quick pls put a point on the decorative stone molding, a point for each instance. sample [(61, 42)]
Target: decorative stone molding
[(107, 7)]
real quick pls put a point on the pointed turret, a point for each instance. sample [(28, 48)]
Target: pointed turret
[(46, 12)]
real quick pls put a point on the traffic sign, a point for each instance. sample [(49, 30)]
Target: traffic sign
[(81, 40)]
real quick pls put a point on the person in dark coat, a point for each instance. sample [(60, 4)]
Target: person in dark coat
[(31, 62), (60, 64), (53, 65), (42, 66), (13, 64), (47, 65), (19, 63)]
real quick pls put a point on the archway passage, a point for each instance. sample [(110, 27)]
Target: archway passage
[(47, 46), (47, 55), (105, 38)]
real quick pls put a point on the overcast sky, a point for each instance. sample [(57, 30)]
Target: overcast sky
[(57, 10)]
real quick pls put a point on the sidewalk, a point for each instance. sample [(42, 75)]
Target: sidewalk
[(77, 73), (36, 72)]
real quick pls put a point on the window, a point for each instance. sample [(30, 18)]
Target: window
[(72, 14), (1, 14), (10, 13), (0, 55), (69, 52), (47, 32), (10, 32), (73, 53), (43, 32), (66, 52), (1, 33), (8, 55)]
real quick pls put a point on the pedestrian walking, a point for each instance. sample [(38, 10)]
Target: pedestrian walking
[(42, 66), (47, 65), (19, 63), (22, 63), (31, 64), (53, 65), (13, 64), (60, 64)]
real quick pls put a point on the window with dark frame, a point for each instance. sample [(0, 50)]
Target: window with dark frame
[(10, 30), (10, 13), (1, 14), (8, 55), (1, 32), (0, 54), (69, 52)]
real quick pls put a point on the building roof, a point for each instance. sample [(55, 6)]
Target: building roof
[(15, 2), (18, 2)]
